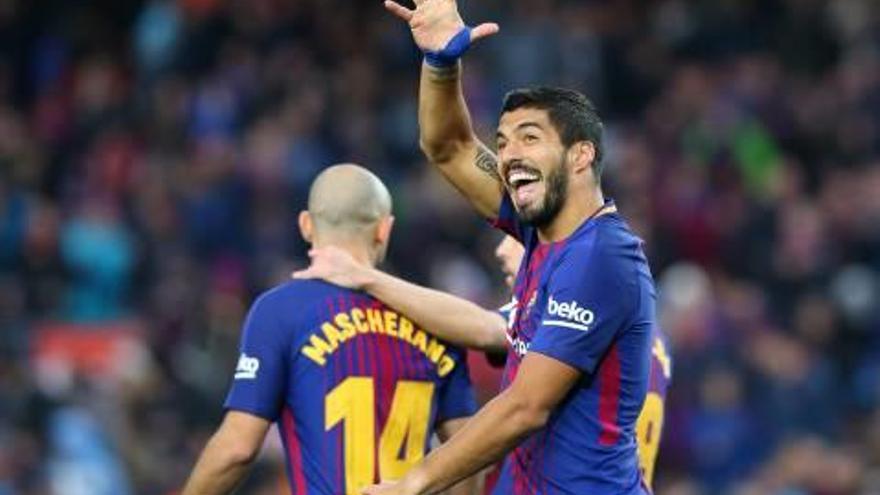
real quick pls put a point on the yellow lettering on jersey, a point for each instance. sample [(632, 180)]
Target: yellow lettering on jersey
[(420, 340), (344, 322), (405, 330), (435, 350), (446, 365), (331, 333), (374, 317), (390, 323), (343, 327), (357, 316), (317, 349)]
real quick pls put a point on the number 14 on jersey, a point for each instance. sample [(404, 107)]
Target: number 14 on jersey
[(353, 403)]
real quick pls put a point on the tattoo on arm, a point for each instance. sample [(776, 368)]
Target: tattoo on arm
[(443, 74), (487, 162)]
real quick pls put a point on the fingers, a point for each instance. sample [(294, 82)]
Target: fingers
[(484, 30), (399, 10), (372, 490)]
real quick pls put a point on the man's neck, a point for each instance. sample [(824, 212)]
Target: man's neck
[(356, 249), (576, 210)]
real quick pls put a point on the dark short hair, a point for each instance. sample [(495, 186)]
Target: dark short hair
[(572, 114)]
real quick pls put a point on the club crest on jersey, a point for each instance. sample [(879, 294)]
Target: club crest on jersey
[(569, 315), (519, 346), (247, 367), (508, 311)]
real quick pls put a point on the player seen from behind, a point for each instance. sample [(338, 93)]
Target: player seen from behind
[(356, 387)]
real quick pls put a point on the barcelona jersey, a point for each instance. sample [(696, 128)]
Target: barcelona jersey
[(649, 426), (589, 302), (355, 387)]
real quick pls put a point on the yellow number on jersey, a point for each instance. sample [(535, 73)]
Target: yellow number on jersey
[(650, 422), (662, 356), (353, 401), (407, 422), (648, 428)]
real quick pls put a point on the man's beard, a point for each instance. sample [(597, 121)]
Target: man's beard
[(557, 189)]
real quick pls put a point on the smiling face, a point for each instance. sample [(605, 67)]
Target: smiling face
[(533, 164)]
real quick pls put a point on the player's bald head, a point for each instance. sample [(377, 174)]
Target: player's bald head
[(347, 199)]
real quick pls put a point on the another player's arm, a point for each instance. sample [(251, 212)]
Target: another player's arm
[(451, 318), (525, 407), (471, 485), (447, 138), (228, 455)]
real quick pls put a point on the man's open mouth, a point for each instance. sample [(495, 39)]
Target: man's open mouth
[(519, 176)]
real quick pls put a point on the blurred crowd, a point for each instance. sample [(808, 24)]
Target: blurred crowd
[(154, 155)]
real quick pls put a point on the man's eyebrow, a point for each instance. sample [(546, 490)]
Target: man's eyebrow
[(520, 126)]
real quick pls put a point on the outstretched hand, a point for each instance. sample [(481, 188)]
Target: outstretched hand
[(435, 22), (336, 266)]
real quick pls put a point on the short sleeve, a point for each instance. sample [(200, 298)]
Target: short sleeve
[(259, 382), (456, 398), (508, 221), (589, 301)]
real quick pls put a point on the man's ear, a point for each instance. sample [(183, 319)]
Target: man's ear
[(582, 155), (383, 230), (306, 227)]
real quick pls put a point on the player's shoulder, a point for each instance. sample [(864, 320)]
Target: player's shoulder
[(295, 305), (297, 292), (614, 234), (608, 243)]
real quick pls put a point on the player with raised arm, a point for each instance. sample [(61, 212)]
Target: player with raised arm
[(355, 386), (463, 323), (581, 334)]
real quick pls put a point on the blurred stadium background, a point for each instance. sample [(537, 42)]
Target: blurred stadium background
[(154, 154)]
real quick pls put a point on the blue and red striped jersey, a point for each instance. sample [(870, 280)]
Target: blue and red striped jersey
[(649, 427), (589, 302), (355, 387)]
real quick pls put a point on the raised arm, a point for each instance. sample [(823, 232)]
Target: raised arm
[(446, 135), (448, 317), (448, 140)]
